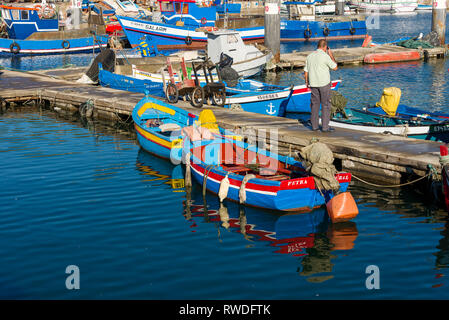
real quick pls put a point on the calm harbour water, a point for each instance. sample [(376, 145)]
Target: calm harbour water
[(80, 193)]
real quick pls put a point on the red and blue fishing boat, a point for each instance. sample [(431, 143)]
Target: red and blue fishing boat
[(184, 24), (34, 30), (279, 182)]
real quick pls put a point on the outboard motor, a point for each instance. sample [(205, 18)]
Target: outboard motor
[(225, 60)]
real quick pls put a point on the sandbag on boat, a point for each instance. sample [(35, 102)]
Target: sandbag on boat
[(390, 100), (338, 103), (207, 120), (319, 161)]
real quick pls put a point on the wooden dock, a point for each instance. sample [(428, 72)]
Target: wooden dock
[(345, 56), (385, 159)]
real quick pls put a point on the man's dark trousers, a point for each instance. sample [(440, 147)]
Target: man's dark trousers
[(320, 95)]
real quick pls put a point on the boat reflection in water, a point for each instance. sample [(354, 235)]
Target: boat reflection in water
[(310, 236)]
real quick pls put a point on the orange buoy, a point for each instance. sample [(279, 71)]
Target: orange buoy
[(367, 41), (385, 57), (343, 235), (342, 207)]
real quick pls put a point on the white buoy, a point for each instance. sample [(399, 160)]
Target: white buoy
[(224, 188), (224, 216), (242, 191), (188, 177)]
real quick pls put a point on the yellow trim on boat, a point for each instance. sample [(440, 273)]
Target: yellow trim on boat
[(156, 139), (151, 105), (176, 143)]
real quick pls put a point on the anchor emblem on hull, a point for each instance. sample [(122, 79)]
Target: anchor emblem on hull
[(271, 111)]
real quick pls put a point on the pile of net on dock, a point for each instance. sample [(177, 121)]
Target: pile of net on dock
[(429, 41), (107, 58), (318, 159)]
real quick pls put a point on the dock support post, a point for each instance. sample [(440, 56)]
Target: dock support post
[(273, 28), (340, 7), (439, 19)]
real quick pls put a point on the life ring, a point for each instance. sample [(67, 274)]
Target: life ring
[(352, 30), (307, 33), (203, 20), (188, 40), (14, 48), (326, 31), (37, 7), (65, 44)]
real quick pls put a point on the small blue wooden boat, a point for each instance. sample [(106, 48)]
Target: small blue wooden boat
[(158, 126), (178, 30), (128, 83), (42, 35), (303, 25), (247, 95)]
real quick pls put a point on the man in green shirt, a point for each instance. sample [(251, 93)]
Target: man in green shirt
[(316, 73)]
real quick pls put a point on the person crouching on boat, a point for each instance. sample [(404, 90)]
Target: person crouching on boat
[(317, 76)]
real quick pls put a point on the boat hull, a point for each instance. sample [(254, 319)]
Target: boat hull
[(43, 47), (127, 83), (299, 195), (167, 36), (295, 30)]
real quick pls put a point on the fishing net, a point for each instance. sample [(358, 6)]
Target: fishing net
[(318, 160), (107, 60), (415, 44), (338, 103)]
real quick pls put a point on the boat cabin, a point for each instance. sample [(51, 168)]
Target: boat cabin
[(301, 10), (21, 22), (229, 42), (187, 13)]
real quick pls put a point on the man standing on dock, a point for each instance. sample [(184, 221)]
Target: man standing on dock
[(317, 76)]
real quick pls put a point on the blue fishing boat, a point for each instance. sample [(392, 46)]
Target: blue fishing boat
[(35, 31), (128, 83), (302, 24), (184, 25), (247, 95), (158, 126)]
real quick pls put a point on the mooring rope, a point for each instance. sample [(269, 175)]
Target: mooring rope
[(392, 185)]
